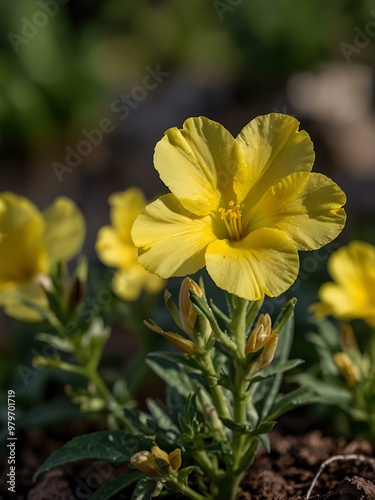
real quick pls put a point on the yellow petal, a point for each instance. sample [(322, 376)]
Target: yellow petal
[(65, 229), (129, 282), (273, 148), (338, 299), (198, 163), (22, 254), (144, 461), (112, 250), (307, 207), (171, 240), (11, 301), (354, 263), (265, 262), (125, 208), (175, 459)]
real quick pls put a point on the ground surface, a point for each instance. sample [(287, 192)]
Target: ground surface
[(286, 473)]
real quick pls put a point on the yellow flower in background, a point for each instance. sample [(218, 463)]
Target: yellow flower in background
[(115, 247), (30, 241), (241, 207), (352, 294)]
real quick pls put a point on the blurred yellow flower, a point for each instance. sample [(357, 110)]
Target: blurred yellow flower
[(241, 207), (30, 241), (352, 294), (115, 247)]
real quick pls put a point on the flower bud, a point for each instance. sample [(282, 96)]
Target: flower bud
[(260, 334), (157, 463), (144, 461), (188, 315), (262, 337), (347, 368), (193, 324)]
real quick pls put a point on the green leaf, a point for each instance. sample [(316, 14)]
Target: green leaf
[(272, 369), (183, 474), (106, 446), (191, 408), (172, 374), (172, 308), (298, 397), (325, 352), (164, 421), (264, 428), (144, 489), (330, 393), (112, 487), (141, 421), (176, 358), (61, 344)]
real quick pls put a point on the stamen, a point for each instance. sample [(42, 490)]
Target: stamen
[(233, 220)]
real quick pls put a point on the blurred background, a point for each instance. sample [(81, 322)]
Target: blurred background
[(87, 88)]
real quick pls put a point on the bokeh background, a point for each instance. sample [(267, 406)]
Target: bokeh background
[(68, 68)]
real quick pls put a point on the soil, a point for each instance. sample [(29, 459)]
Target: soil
[(286, 473)]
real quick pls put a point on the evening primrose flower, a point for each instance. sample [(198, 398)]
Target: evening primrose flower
[(30, 241), (241, 207), (115, 247), (352, 294)]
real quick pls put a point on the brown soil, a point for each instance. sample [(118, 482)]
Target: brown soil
[(286, 473)]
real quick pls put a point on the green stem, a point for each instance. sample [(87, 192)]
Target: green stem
[(185, 490), (208, 369), (112, 404)]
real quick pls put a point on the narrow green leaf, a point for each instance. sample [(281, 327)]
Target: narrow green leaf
[(172, 374), (272, 370), (298, 397), (172, 308), (183, 474), (264, 428), (163, 420), (61, 344), (106, 446), (144, 489), (116, 485), (329, 393)]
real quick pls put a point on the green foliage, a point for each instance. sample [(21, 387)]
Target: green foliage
[(222, 401)]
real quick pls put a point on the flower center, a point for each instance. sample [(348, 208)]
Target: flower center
[(233, 220)]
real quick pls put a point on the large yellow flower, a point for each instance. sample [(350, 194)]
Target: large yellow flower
[(29, 242), (115, 247), (352, 295), (243, 207)]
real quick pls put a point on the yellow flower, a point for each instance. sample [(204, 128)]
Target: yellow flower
[(29, 241), (241, 207), (352, 294), (115, 247), (158, 463)]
